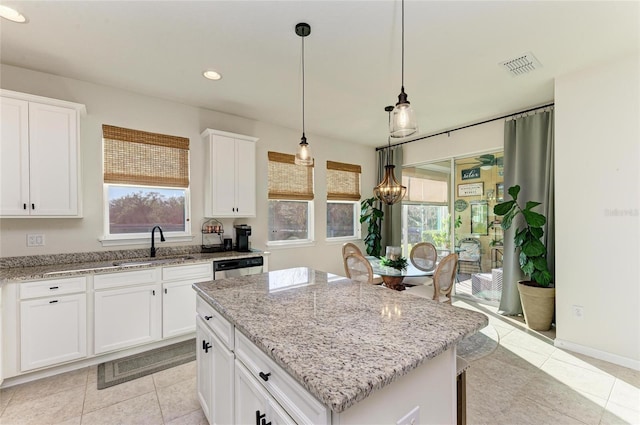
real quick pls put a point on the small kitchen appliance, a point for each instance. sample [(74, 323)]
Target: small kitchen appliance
[(228, 244), (243, 232)]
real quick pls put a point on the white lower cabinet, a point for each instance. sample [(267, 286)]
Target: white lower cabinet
[(254, 387), (179, 298), (215, 376), (254, 405), (52, 330)]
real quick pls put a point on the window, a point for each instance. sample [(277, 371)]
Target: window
[(146, 183), (290, 201), (425, 210), (343, 200)]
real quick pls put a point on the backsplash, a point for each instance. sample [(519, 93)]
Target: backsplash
[(85, 257)]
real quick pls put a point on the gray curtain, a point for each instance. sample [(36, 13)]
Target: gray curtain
[(392, 223), (528, 162)]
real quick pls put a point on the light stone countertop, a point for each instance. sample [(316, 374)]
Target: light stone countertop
[(341, 340), (16, 269)]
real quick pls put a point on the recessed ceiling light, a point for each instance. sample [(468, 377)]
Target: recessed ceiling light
[(212, 75), (12, 15)]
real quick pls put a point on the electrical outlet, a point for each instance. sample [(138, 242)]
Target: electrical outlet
[(577, 311), (35, 240), (411, 418)]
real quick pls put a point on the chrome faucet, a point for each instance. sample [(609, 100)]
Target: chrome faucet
[(153, 246)]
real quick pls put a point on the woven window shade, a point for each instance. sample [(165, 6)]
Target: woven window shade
[(142, 158), (288, 180), (343, 181)]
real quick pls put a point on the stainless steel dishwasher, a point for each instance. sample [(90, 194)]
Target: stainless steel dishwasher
[(237, 267)]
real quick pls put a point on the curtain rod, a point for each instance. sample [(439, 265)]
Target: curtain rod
[(467, 126)]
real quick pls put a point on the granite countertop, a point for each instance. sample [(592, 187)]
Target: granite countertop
[(339, 339), (15, 269)]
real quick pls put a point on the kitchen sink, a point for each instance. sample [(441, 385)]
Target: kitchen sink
[(150, 261)]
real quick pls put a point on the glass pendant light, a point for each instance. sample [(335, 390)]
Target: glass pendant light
[(389, 190), (303, 156), (403, 122)]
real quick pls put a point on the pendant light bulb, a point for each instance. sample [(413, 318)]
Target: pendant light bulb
[(403, 119), (389, 190), (303, 155)]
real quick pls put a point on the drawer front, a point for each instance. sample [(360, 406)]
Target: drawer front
[(53, 287), (218, 324), (297, 401), (134, 277), (194, 272)]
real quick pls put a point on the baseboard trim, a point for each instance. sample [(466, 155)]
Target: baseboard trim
[(598, 354), (89, 361)]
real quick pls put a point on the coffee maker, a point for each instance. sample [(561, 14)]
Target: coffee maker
[(243, 232)]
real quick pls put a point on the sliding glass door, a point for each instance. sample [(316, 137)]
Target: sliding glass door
[(450, 204)]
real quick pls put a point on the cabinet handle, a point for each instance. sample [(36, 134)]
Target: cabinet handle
[(260, 419), (33, 206), (165, 290), (205, 346), (208, 317), (24, 206), (265, 376), (53, 287), (53, 302), (153, 292)]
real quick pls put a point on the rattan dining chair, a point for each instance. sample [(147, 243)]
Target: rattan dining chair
[(443, 280), (349, 248), (358, 268), (423, 256)]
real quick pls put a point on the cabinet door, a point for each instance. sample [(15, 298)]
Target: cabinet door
[(178, 308), (215, 377), (204, 366), (223, 176), (254, 405), (14, 157), (245, 178), (53, 152), (52, 330), (126, 317)]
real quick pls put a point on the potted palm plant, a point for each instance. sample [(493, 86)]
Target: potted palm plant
[(537, 294)]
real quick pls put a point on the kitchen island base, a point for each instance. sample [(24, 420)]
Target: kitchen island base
[(431, 387)]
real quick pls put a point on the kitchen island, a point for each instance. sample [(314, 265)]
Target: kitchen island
[(364, 353)]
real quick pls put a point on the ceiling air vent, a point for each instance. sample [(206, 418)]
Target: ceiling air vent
[(522, 64)]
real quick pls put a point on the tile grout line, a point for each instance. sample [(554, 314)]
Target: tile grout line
[(155, 388)]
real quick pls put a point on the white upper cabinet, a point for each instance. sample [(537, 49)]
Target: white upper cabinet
[(39, 156), (230, 183)]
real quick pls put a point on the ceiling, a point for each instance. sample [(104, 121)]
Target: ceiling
[(352, 57)]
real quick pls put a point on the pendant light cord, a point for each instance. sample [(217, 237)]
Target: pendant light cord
[(402, 44), (302, 85)]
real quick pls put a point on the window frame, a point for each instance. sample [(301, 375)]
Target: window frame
[(310, 240), (357, 233), (115, 239)]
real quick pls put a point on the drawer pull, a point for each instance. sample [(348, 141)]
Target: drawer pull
[(208, 317), (53, 302), (205, 346), (265, 376), (54, 287)]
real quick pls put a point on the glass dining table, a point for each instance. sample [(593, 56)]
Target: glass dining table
[(393, 278)]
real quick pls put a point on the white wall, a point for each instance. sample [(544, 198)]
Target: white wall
[(597, 184), (469, 141), (126, 109)]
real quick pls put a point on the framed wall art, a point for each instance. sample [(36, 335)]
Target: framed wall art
[(479, 218), (471, 189), (500, 192)]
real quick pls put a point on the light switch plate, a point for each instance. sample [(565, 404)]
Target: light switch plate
[(35, 240)]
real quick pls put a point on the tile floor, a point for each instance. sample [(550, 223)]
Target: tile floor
[(526, 380)]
